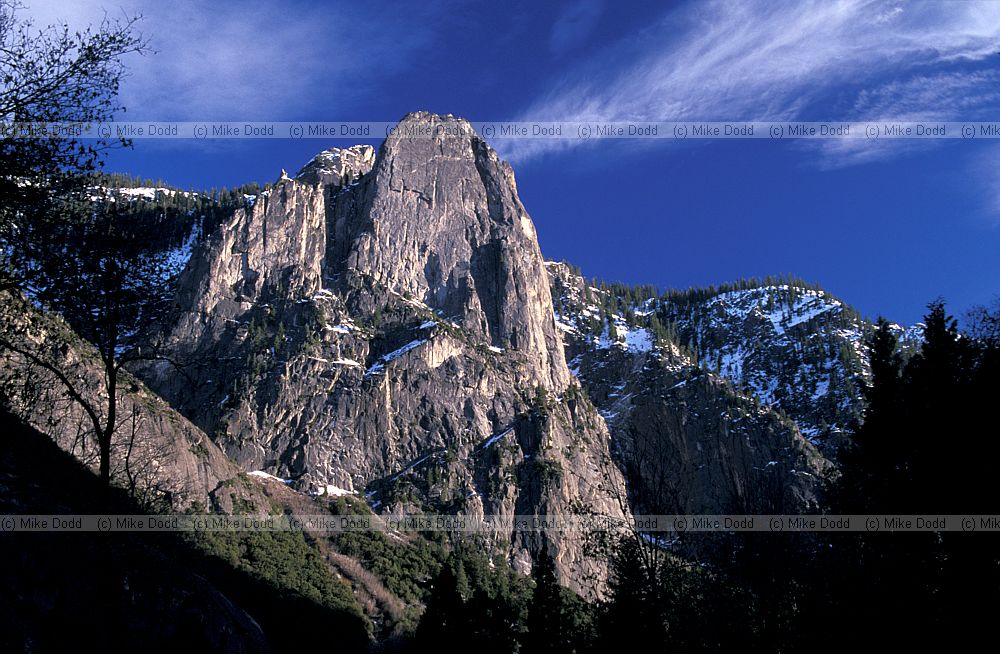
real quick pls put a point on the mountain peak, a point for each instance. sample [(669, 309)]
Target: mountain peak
[(438, 219), (431, 118), (334, 165), (386, 334)]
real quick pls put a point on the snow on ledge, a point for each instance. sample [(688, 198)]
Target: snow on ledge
[(266, 475), (493, 439), (334, 491)]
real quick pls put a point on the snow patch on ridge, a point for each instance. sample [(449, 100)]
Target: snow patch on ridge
[(260, 474), (493, 439), (379, 366)]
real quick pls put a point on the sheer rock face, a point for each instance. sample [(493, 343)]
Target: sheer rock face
[(277, 243), (440, 222), (396, 336)]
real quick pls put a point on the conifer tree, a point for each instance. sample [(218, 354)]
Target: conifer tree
[(868, 468), (444, 618), (633, 615), (545, 612)]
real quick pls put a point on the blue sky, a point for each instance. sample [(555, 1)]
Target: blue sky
[(887, 226)]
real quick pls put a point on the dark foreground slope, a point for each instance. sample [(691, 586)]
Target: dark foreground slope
[(87, 592)]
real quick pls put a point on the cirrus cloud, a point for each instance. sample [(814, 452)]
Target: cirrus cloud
[(724, 60), (252, 60)]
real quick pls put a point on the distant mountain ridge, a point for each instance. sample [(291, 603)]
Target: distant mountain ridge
[(687, 439), (787, 343)]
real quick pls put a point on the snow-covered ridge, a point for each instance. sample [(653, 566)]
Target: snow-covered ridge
[(124, 193), (572, 311), (620, 334), (791, 346), (794, 348), (783, 306)]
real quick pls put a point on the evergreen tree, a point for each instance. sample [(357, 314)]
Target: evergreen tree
[(494, 623), (444, 618), (869, 470), (546, 629), (928, 445), (633, 615)]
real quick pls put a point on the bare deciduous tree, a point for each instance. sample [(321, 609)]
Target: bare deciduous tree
[(83, 261)]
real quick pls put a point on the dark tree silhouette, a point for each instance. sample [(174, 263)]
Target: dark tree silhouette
[(546, 623), (928, 445), (93, 266), (53, 75), (444, 618), (868, 469), (86, 261)]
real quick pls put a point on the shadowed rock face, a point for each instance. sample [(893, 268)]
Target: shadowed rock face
[(169, 463), (138, 587), (395, 335), (686, 439)]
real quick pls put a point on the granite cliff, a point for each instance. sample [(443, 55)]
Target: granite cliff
[(388, 330)]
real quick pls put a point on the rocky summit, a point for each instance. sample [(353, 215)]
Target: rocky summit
[(384, 326)]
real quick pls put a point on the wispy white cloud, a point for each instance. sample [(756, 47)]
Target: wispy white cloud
[(926, 98), (253, 60), (984, 171), (766, 60), (931, 97)]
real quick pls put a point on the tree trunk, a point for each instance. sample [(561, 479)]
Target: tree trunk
[(111, 370), (106, 456)]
